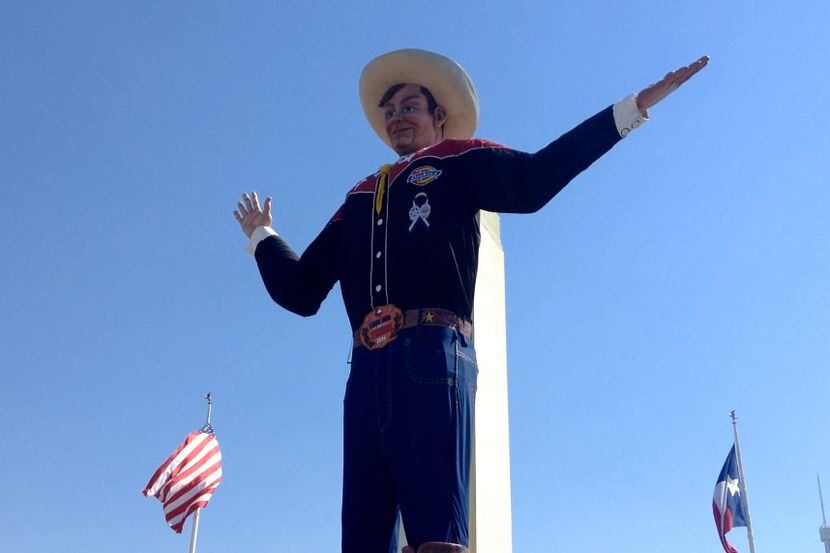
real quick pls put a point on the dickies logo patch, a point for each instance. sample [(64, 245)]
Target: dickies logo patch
[(423, 175)]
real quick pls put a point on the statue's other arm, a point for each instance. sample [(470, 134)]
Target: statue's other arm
[(297, 283)]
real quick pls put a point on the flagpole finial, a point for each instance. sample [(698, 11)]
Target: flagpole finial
[(207, 428), (733, 416)]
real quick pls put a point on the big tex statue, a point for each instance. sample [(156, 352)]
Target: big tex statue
[(404, 246)]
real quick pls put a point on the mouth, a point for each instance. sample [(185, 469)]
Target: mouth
[(400, 131)]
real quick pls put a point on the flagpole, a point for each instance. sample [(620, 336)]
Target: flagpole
[(206, 428), (741, 483), (194, 531), (824, 529)]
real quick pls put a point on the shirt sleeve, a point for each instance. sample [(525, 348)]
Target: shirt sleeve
[(259, 234), (510, 181), (627, 115), (299, 283)]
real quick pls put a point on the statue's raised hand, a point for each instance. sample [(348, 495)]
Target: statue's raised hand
[(249, 215), (668, 84)]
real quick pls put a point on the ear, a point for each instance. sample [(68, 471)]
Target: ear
[(440, 115)]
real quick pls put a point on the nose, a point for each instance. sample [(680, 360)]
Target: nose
[(394, 121)]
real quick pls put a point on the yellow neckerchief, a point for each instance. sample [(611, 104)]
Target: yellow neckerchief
[(380, 188)]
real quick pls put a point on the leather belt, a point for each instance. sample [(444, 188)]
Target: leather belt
[(382, 324)]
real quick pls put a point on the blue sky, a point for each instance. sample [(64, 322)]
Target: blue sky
[(682, 276)]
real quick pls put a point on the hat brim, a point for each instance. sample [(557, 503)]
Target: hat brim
[(445, 79)]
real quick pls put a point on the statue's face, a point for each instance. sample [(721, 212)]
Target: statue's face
[(409, 124)]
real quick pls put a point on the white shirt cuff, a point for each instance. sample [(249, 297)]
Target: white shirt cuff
[(626, 115), (259, 234)]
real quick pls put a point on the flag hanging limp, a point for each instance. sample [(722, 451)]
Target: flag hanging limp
[(727, 504), (188, 478)]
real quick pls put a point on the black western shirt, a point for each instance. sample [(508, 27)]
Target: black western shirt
[(415, 244)]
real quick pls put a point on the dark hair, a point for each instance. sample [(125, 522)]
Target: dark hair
[(431, 103)]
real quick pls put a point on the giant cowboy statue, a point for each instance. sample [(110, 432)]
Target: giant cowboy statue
[(404, 246)]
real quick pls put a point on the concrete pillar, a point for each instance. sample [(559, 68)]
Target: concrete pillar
[(490, 513)]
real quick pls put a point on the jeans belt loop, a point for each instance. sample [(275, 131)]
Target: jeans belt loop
[(460, 334)]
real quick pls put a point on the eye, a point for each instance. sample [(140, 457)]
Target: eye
[(408, 109), (388, 115)]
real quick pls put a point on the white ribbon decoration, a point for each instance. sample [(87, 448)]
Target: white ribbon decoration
[(419, 213)]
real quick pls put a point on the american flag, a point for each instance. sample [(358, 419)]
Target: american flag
[(188, 478)]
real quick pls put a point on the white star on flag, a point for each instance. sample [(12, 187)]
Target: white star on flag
[(732, 486)]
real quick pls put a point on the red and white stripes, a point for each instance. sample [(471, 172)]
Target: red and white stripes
[(188, 478)]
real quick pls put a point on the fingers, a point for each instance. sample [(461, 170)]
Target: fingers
[(674, 79), (701, 62), (697, 66), (247, 210), (684, 73), (250, 215), (248, 203), (652, 94)]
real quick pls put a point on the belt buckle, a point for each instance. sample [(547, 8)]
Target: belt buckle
[(380, 326)]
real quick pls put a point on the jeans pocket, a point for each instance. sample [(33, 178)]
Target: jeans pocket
[(430, 358)]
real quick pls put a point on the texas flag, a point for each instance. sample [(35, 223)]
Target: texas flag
[(727, 504)]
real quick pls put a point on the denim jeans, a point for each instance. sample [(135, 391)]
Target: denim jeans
[(408, 429)]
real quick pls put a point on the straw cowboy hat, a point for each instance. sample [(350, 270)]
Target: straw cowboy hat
[(445, 79)]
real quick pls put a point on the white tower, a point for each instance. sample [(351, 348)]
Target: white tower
[(491, 522), (824, 529)]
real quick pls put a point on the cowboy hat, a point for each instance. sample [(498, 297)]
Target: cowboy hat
[(445, 79)]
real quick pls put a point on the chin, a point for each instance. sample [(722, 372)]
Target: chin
[(403, 149)]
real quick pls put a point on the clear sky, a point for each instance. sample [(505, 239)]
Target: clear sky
[(685, 274)]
